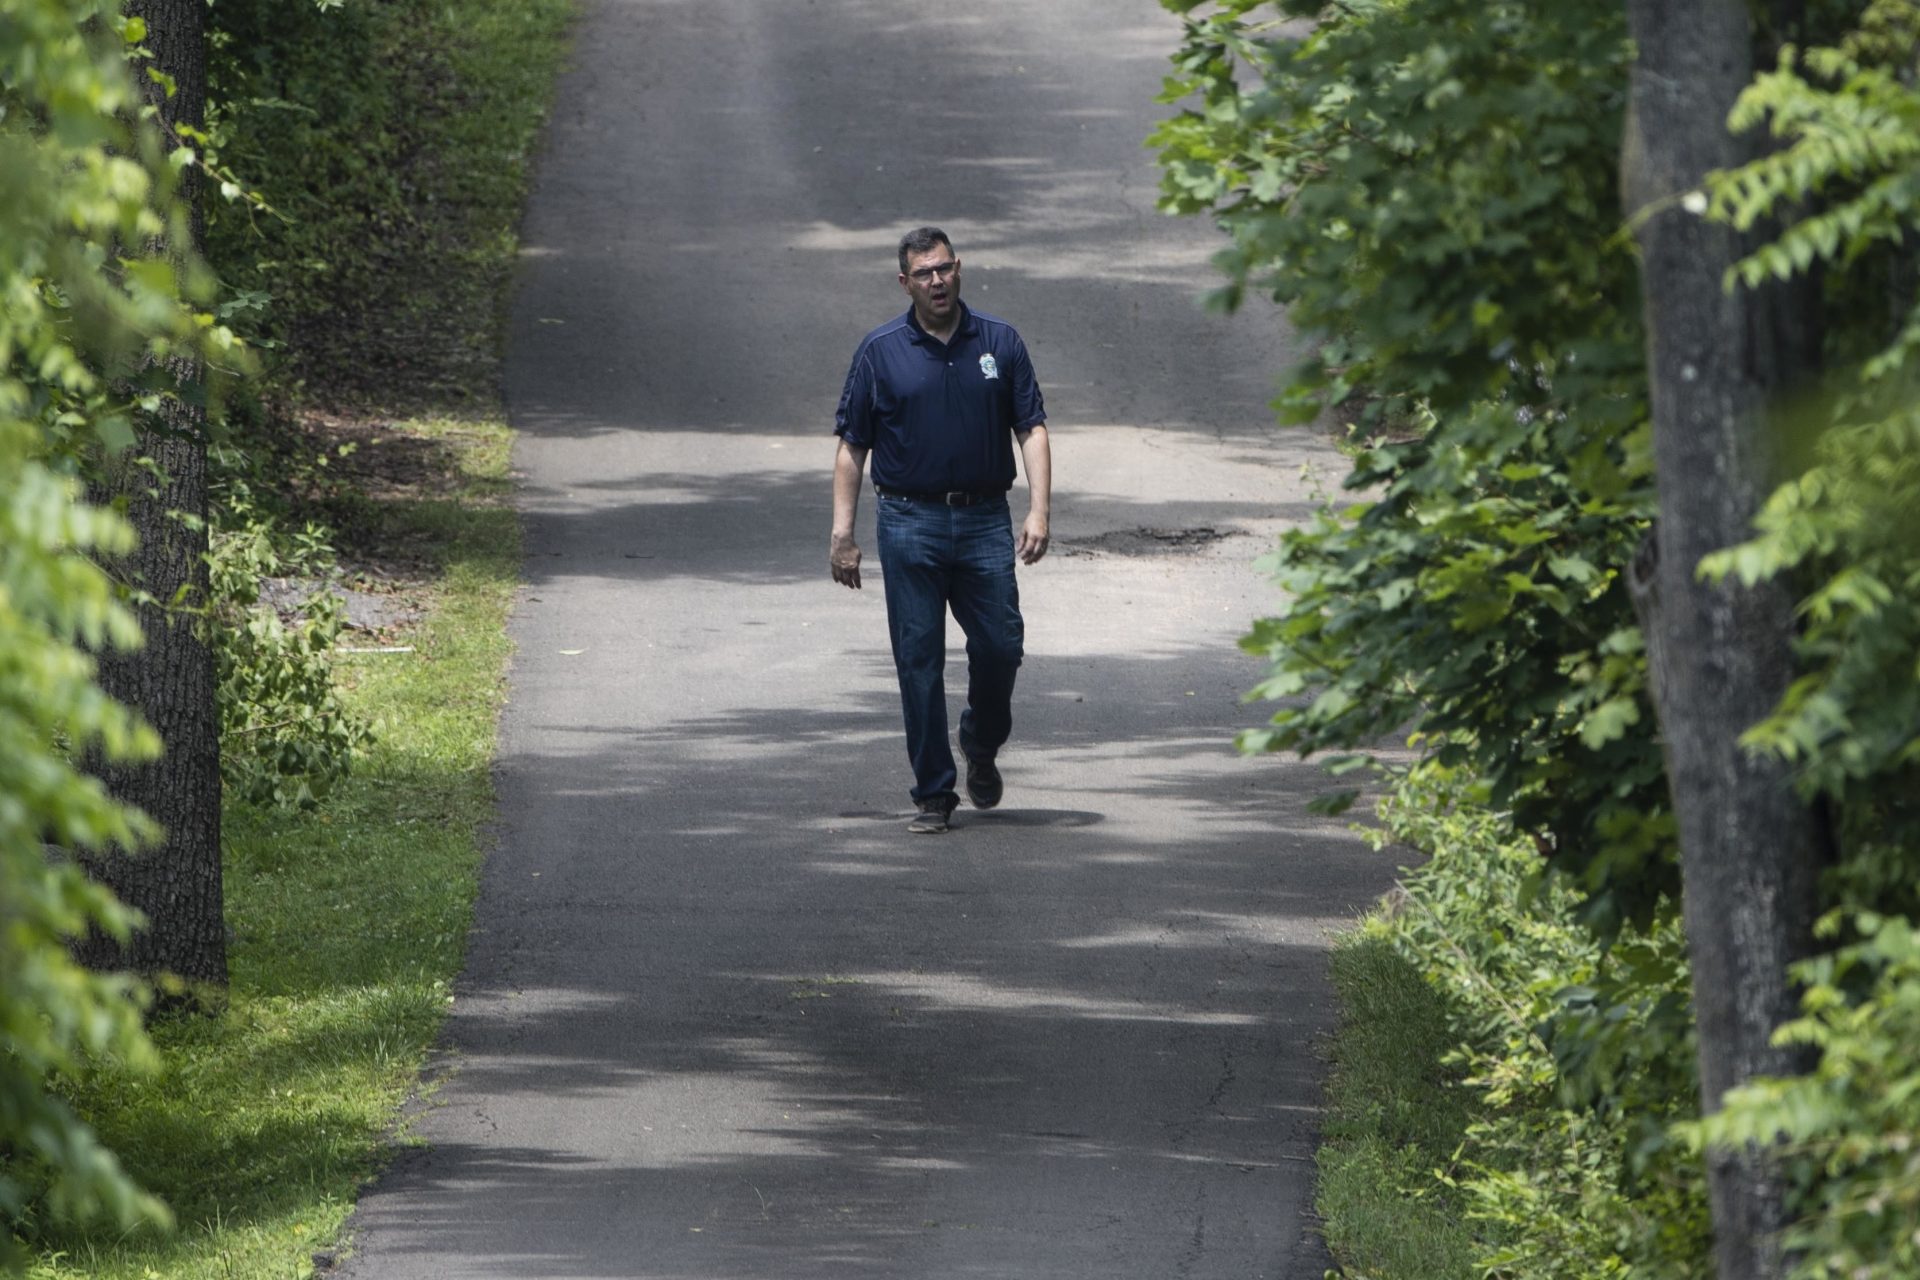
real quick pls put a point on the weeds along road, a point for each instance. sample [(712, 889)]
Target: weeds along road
[(723, 1017)]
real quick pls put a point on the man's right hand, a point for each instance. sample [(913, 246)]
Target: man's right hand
[(843, 557)]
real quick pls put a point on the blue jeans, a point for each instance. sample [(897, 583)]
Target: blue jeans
[(933, 557)]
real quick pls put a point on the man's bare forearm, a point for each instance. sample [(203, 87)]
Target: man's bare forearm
[(843, 554), (849, 462), (1036, 457)]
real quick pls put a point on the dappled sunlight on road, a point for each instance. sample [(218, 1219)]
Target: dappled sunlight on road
[(723, 1016), (966, 992)]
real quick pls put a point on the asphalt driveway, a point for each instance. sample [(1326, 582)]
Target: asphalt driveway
[(723, 1017)]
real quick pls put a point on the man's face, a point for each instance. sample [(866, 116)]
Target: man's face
[(932, 280)]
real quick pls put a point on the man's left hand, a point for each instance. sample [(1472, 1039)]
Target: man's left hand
[(1032, 542)]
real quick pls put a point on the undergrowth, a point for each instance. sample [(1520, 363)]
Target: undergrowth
[(1506, 1091)]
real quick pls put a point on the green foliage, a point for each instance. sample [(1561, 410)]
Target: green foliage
[(89, 304), (89, 308), (1846, 528), (1850, 1124), (56, 1018), (381, 143), (88, 300), (1859, 138), (286, 737), (302, 106), (1428, 186), (1577, 1058), (384, 143), (1397, 178), (1408, 179), (263, 1120), (390, 142)]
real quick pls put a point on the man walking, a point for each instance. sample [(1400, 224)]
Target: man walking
[(938, 397)]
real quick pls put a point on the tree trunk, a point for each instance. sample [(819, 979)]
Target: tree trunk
[(1750, 852), (170, 680)]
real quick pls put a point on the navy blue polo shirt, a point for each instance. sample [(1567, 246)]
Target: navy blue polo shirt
[(940, 416)]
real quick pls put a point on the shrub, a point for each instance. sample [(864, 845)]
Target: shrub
[(285, 735)]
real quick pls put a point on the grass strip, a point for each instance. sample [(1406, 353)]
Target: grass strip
[(1394, 1117)]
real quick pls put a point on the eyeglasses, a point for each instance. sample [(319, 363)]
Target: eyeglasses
[(925, 274)]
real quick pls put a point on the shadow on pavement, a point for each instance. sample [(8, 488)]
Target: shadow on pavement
[(798, 1025)]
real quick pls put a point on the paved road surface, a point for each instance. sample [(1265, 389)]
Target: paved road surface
[(723, 1018)]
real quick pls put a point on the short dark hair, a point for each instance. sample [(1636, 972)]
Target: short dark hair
[(919, 240)]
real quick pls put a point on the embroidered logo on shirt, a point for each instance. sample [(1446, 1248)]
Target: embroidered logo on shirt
[(988, 369)]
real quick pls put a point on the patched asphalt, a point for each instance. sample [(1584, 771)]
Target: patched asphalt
[(722, 1016)]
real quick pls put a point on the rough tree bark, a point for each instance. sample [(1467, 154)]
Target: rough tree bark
[(170, 680), (1750, 852)]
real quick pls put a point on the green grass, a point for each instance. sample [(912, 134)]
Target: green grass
[(348, 927), (1393, 1121)]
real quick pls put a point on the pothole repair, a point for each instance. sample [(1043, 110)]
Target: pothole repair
[(1146, 541)]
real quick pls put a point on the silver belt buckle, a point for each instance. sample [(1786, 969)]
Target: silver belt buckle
[(957, 498)]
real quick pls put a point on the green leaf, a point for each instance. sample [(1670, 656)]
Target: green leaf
[(1333, 803), (114, 432), (1608, 722)]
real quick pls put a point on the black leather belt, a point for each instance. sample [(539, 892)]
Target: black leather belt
[(952, 498)]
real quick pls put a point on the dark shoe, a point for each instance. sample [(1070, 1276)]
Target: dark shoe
[(984, 787), (932, 818)]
